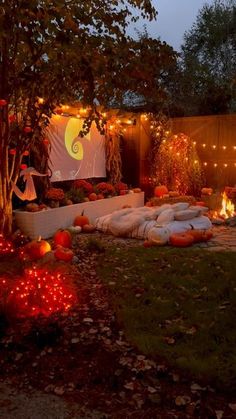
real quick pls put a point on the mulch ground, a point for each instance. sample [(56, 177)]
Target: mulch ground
[(83, 357)]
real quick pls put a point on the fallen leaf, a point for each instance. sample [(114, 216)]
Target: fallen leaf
[(219, 414), (182, 400), (232, 406)]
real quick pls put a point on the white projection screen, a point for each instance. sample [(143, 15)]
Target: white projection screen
[(74, 157)]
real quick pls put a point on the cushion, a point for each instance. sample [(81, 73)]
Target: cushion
[(180, 206), (186, 214), (166, 216)]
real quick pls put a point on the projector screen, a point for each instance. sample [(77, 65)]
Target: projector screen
[(71, 156)]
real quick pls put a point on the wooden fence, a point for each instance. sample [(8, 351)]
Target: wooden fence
[(215, 138)]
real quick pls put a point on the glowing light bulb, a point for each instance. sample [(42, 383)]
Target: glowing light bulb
[(205, 163), (225, 165), (214, 146), (40, 100), (215, 164), (224, 147), (194, 143), (204, 145)]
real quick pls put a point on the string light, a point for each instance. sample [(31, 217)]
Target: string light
[(40, 100), (41, 293), (215, 164), (214, 146), (205, 163), (224, 147), (6, 246), (204, 145)]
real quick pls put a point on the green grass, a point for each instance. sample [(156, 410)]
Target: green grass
[(179, 304)]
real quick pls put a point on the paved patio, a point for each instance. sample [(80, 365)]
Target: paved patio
[(224, 238)]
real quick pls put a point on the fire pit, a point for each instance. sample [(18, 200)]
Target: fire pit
[(224, 215)]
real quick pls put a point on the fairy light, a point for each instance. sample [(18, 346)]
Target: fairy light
[(225, 165), (6, 246), (195, 161), (203, 145), (234, 147), (214, 146), (41, 100), (41, 293), (215, 164), (205, 163), (224, 147), (194, 143)]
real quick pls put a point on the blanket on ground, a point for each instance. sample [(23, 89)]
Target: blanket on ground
[(151, 223)]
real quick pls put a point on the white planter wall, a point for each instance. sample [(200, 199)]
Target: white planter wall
[(45, 223)]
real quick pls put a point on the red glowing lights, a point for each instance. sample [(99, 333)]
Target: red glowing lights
[(40, 292), (6, 246)]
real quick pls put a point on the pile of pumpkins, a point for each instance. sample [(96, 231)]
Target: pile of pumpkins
[(62, 242), (185, 239)]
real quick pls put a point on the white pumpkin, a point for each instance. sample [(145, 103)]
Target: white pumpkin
[(74, 229), (159, 235)]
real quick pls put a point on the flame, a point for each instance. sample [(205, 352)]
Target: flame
[(227, 209)]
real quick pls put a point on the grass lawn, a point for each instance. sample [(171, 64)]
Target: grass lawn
[(179, 304)]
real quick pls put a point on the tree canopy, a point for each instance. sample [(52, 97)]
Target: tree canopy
[(61, 51), (207, 73)]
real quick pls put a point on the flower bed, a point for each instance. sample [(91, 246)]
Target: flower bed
[(45, 223)]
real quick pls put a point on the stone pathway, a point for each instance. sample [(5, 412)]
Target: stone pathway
[(224, 239)]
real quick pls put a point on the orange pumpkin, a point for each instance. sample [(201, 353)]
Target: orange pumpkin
[(207, 191), (200, 204), (207, 235), (81, 220), (88, 228), (36, 249), (161, 190), (181, 240), (93, 196), (61, 253), (63, 238), (200, 235)]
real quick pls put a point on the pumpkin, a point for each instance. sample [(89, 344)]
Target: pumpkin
[(61, 253), (200, 235), (207, 191), (36, 249), (159, 235), (81, 220), (200, 204), (181, 239), (207, 235), (161, 190), (32, 207), (137, 190), (88, 228), (62, 238), (93, 196), (74, 229), (173, 194)]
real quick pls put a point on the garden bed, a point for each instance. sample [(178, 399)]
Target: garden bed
[(45, 223)]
